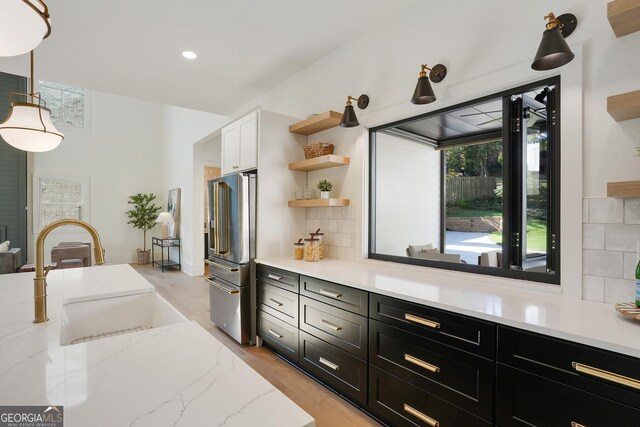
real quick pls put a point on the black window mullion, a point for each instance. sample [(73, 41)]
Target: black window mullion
[(553, 180), (512, 184)]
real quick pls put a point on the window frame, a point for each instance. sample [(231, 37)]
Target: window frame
[(553, 248), (86, 93), (84, 181)]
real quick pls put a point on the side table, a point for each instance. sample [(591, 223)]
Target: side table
[(165, 244)]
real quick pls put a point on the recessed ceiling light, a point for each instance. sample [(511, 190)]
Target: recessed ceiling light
[(189, 55)]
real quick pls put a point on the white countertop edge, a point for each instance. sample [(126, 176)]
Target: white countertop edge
[(500, 290)]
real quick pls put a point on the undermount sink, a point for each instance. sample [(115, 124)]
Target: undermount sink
[(102, 318)]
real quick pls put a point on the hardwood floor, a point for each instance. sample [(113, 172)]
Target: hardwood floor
[(190, 295)]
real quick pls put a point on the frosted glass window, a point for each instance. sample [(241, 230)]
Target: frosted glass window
[(67, 103), (61, 198)]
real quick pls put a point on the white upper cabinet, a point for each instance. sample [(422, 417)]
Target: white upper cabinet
[(240, 145)]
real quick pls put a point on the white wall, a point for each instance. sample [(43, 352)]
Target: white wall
[(407, 195), (121, 157), (181, 129), (484, 56)]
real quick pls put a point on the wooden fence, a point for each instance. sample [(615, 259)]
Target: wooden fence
[(470, 188)]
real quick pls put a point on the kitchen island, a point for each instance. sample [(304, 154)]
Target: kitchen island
[(177, 374)]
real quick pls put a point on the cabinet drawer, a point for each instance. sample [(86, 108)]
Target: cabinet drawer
[(465, 333), (278, 303), (344, 297), (338, 369), (463, 379), (401, 404), (281, 278), (345, 330), (525, 399), (555, 359), (278, 335)]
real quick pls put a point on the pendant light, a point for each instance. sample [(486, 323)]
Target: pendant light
[(424, 93), (554, 51), (349, 118), (28, 126), (23, 25)]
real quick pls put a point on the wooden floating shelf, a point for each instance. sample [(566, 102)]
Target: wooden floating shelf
[(623, 190), (625, 106), (624, 16), (322, 162), (318, 203), (318, 123)]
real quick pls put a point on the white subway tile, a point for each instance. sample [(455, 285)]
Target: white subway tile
[(329, 251), (606, 264), (347, 212), (333, 225), (313, 213), (606, 211), (341, 253), (328, 238), (618, 290), (622, 237), (327, 213), (348, 240), (630, 263), (585, 211), (337, 239), (349, 226), (339, 225), (593, 288), (585, 262), (336, 212), (593, 236), (632, 211)]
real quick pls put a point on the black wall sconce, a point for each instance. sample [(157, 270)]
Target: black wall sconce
[(349, 118), (424, 93), (554, 51)]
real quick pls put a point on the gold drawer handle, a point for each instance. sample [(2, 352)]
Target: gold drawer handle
[(605, 375), (279, 304), (331, 325), (420, 320), (428, 366), (330, 294), (575, 424), (422, 417), (329, 364), (275, 334)]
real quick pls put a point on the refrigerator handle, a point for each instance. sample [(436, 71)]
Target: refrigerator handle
[(216, 219), (225, 214)]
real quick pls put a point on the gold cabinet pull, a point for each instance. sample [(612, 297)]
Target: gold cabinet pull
[(428, 366), (420, 320), (422, 417), (275, 334), (331, 325), (330, 294), (278, 303), (329, 364), (606, 375), (575, 424)]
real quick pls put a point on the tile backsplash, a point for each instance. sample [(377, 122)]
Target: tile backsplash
[(610, 236), (339, 227)]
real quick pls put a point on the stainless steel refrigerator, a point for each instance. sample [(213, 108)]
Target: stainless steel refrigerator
[(232, 225)]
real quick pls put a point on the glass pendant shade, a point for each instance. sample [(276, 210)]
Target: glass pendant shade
[(23, 25), (423, 93), (349, 118), (553, 51), (29, 128)]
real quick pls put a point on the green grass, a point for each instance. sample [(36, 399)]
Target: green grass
[(536, 236), (466, 213)]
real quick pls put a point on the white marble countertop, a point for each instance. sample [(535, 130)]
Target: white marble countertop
[(175, 375), (507, 303)]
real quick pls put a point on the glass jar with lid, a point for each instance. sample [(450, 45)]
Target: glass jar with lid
[(320, 236), (298, 250), (311, 250)]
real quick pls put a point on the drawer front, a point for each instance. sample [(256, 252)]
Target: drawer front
[(572, 364), (401, 404), (278, 335), (525, 399), (345, 330), (456, 376), (236, 274), (281, 278), (465, 333), (336, 368), (344, 297), (278, 302)]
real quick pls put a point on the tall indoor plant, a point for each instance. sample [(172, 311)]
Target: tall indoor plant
[(143, 216)]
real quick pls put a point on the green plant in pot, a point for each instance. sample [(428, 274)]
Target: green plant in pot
[(325, 188), (143, 216)]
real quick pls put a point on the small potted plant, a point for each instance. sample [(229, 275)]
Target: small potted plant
[(143, 216), (325, 188)]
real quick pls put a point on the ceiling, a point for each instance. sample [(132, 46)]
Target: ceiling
[(244, 47)]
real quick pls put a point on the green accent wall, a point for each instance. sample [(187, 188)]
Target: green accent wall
[(13, 175)]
